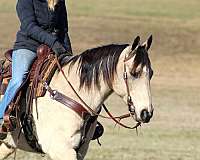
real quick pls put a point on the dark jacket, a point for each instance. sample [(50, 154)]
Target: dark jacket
[(40, 25)]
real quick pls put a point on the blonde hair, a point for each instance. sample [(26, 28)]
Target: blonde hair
[(52, 3)]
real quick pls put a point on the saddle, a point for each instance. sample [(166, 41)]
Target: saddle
[(42, 70)]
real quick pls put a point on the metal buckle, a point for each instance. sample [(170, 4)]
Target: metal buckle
[(129, 99), (131, 109), (46, 86), (52, 96), (125, 75)]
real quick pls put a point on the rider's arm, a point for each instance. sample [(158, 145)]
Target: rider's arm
[(67, 42), (25, 11)]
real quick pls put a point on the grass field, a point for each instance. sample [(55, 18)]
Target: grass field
[(174, 132)]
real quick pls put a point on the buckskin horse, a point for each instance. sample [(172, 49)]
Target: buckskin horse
[(89, 79)]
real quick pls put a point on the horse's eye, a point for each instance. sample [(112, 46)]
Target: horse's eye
[(135, 74)]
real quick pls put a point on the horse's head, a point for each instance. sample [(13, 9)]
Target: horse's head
[(124, 69), (132, 83)]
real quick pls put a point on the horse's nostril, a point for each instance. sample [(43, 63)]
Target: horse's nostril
[(145, 116)]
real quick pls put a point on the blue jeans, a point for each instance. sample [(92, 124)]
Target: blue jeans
[(22, 59)]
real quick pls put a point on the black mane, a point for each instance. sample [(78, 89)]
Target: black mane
[(94, 62)]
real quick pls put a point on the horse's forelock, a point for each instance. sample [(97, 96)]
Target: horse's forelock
[(141, 58)]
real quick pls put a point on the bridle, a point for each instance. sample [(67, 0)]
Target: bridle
[(117, 119), (130, 104)]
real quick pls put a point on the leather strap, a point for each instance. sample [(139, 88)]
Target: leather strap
[(118, 121), (75, 106), (67, 101)]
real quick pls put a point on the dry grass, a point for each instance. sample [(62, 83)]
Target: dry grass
[(173, 134)]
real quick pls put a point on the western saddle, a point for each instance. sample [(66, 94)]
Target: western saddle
[(43, 67), (42, 70)]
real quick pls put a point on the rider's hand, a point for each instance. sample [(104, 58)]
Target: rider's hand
[(58, 48)]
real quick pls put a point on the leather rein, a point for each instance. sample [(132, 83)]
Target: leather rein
[(78, 108)]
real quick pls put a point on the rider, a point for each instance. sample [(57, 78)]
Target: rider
[(42, 22)]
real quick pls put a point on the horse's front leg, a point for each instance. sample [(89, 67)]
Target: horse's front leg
[(5, 151), (67, 153), (65, 148), (6, 147)]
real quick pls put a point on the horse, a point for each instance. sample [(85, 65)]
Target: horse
[(93, 75)]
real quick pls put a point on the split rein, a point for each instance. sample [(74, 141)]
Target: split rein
[(117, 120)]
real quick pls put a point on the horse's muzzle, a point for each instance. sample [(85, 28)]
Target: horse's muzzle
[(146, 115)]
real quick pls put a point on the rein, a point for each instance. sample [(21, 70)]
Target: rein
[(115, 119)]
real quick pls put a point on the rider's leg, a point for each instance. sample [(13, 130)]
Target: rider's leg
[(21, 62)]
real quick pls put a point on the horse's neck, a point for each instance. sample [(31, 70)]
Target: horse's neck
[(92, 97)]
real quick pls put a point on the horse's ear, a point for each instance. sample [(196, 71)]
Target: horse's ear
[(148, 43), (135, 43)]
